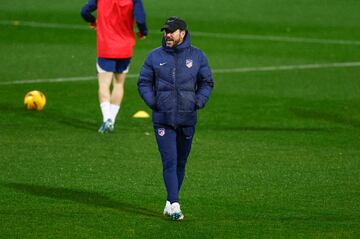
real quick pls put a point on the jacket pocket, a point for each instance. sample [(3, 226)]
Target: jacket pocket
[(164, 101), (187, 101)]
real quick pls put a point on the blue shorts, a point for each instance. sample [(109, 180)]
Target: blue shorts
[(113, 65)]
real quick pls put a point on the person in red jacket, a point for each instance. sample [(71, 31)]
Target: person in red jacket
[(114, 26)]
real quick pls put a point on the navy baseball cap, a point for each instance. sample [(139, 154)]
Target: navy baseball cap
[(173, 23)]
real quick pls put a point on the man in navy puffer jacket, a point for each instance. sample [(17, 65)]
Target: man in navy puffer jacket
[(175, 81)]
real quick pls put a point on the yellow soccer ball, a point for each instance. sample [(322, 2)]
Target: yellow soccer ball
[(35, 100)]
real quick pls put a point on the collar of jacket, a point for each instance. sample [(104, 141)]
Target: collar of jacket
[(185, 44)]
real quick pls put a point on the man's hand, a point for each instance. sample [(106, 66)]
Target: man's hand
[(92, 25), (141, 37)]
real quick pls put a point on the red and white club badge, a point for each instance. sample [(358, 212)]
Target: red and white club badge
[(161, 132), (189, 63)]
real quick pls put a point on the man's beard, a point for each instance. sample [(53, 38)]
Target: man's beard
[(175, 42)]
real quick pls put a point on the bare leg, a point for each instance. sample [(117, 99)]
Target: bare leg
[(117, 93), (104, 80)]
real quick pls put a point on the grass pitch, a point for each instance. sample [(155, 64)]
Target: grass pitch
[(276, 152)]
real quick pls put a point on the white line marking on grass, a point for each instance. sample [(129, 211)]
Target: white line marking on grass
[(203, 34), (289, 67), (44, 25), (55, 80), (215, 71), (277, 38)]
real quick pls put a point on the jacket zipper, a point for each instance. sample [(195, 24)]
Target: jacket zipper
[(175, 87)]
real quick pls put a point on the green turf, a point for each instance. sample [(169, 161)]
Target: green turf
[(276, 153)]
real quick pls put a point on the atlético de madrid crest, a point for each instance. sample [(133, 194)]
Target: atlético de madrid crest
[(161, 132), (189, 63)]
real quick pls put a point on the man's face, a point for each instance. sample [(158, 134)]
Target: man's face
[(174, 38)]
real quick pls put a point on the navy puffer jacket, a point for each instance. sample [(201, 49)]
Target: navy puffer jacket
[(175, 82)]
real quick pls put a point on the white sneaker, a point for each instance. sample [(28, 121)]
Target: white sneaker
[(176, 213), (107, 126), (167, 209)]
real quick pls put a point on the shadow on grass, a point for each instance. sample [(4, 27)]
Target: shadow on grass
[(326, 116), (50, 116), (78, 196), (265, 129), (73, 122)]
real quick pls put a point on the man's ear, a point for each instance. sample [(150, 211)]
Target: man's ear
[(183, 33)]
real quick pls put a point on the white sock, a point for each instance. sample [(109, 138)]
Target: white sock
[(105, 110), (114, 109)]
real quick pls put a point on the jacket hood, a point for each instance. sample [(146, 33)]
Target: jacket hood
[(185, 44)]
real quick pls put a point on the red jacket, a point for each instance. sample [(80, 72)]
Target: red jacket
[(115, 28), (115, 25)]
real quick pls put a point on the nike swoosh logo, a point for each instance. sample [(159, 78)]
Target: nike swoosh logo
[(161, 64)]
